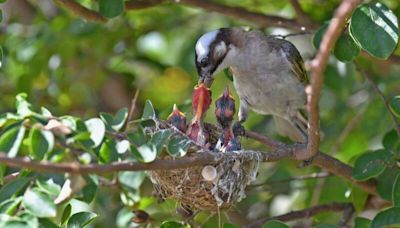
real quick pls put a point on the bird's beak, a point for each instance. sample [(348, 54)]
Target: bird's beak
[(207, 80)]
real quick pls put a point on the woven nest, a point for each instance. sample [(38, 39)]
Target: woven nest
[(188, 186)]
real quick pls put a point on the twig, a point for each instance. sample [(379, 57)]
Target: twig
[(133, 106), (138, 5), (318, 66), (10, 177), (259, 19), (305, 177), (367, 76), (81, 11), (321, 160), (347, 214), (302, 214), (301, 15)]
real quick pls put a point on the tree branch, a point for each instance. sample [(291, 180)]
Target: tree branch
[(302, 214), (367, 76), (318, 66), (321, 160), (259, 19), (138, 5), (83, 12), (301, 15)]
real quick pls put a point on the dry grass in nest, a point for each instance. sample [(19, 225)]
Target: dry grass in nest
[(188, 186)]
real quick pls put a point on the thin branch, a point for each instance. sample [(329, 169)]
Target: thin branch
[(305, 177), (138, 5), (301, 15), (368, 77), (302, 214), (259, 19), (82, 11), (347, 214), (321, 160), (318, 66), (133, 106)]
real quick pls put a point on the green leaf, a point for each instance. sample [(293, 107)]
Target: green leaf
[(97, 130), (111, 8), (89, 191), (39, 204), (139, 137), (10, 141), (385, 182), (132, 180), (148, 111), (81, 219), (394, 105), (10, 206), (386, 218), (13, 188), (24, 108), (396, 192), (375, 27), (146, 153), (359, 198), (362, 222), (49, 187), (108, 152), (115, 122), (178, 146), (370, 165), (391, 140), (171, 224), (41, 143), (319, 34), (46, 223), (346, 49), (275, 224), (159, 139), (15, 224), (66, 214)]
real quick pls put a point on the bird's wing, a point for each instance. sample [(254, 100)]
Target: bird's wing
[(295, 59)]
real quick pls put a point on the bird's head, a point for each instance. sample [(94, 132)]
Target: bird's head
[(212, 49)]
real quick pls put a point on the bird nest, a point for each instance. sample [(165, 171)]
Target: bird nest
[(189, 186)]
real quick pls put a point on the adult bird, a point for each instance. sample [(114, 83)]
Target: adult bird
[(268, 75)]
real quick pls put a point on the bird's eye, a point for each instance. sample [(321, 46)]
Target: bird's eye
[(204, 61)]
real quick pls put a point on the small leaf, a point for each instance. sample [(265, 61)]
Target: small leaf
[(97, 130), (81, 219), (148, 111), (319, 34), (39, 204), (89, 191), (375, 27), (370, 165), (41, 143), (346, 49), (122, 146), (13, 188), (9, 206), (171, 224), (147, 153), (111, 8), (108, 152), (396, 192), (394, 105), (160, 138), (24, 108), (385, 182), (391, 140), (275, 224), (66, 214), (178, 146), (139, 137), (49, 187), (11, 140), (386, 218), (132, 180), (362, 222), (116, 122)]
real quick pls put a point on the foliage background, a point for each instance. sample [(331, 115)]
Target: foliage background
[(80, 68)]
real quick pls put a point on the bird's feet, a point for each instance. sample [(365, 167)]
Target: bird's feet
[(238, 129)]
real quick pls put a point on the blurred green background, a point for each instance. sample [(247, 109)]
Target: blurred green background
[(76, 67)]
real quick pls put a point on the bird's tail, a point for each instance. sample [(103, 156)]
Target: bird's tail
[(296, 129)]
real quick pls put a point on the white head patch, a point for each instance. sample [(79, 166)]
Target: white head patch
[(203, 44)]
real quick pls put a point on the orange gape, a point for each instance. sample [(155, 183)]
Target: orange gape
[(201, 100)]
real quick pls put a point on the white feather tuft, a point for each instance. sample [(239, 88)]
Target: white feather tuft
[(203, 44)]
